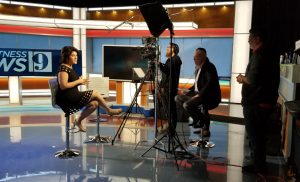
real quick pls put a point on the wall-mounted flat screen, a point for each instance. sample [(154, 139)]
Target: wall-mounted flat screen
[(118, 61)]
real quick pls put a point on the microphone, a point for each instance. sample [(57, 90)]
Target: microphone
[(126, 21)]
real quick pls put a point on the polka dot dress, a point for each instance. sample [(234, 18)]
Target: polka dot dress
[(71, 100)]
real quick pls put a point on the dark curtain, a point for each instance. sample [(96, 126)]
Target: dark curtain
[(281, 17)]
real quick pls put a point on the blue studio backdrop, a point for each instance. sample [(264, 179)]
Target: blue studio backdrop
[(219, 49)]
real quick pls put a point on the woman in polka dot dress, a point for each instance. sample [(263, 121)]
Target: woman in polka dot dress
[(69, 98)]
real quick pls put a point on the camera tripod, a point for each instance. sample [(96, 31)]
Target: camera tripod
[(172, 136), (148, 76), (169, 105)]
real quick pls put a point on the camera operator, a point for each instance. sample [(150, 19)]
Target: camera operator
[(172, 55)]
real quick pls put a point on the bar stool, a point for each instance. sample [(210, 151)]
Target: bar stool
[(67, 152), (98, 138), (204, 142), (101, 85)]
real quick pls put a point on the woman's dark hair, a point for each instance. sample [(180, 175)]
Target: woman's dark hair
[(65, 54)]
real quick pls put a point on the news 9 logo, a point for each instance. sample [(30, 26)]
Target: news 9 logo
[(18, 62), (40, 61)]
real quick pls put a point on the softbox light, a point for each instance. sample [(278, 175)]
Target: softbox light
[(156, 18)]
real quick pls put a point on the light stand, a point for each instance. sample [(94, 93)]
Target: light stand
[(171, 132), (157, 23)]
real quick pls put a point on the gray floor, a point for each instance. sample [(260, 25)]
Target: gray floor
[(30, 135)]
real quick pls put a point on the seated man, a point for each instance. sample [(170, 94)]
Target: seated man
[(205, 93)]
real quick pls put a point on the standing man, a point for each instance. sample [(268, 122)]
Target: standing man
[(205, 91), (173, 61), (259, 97)]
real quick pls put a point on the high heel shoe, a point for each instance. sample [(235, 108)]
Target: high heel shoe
[(115, 111), (80, 128)]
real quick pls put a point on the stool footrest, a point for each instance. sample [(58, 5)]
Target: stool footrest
[(202, 143), (98, 139), (100, 120), (67, 153)]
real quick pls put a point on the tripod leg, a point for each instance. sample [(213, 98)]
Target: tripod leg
[(121, 127), (153, 146), (174, 153)]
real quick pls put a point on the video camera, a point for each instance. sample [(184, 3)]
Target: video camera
[(149, 52)]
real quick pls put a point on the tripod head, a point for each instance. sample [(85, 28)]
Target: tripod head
[(149, 51)]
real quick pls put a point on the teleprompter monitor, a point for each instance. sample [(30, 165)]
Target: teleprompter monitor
[(119, 61)]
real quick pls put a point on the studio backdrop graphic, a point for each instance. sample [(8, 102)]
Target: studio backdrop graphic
[(32, 62)]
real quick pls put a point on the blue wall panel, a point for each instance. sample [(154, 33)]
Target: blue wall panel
[(59, 42), (122, 41), (97, 53), (8, 40), (33, 41), (219, 51), (187, 56), (135, 41), (89, 55)]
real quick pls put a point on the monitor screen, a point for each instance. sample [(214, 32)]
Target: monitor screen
[(118, 61)]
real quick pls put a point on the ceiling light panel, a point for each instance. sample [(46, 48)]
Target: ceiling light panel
[(119, 8), (31, 4), (224, 3), (184, 5), (95, 9), (4, 2), (62, 7), (205, 4)]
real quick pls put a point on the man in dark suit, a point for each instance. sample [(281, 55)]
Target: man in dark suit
[(205, 92)]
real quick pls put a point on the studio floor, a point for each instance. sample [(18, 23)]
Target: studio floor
[(31, 134)]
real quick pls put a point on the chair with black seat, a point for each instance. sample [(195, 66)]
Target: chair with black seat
[(67, 152)]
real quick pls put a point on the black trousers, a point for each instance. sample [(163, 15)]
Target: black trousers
[(187, 105), (173, 109), (256, 119)]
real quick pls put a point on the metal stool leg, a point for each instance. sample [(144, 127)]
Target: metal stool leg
[(202, 143), (98, 138), (67, 153)]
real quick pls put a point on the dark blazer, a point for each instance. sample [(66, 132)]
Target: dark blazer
[(175, 73), (263, 73), (208, 85)]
